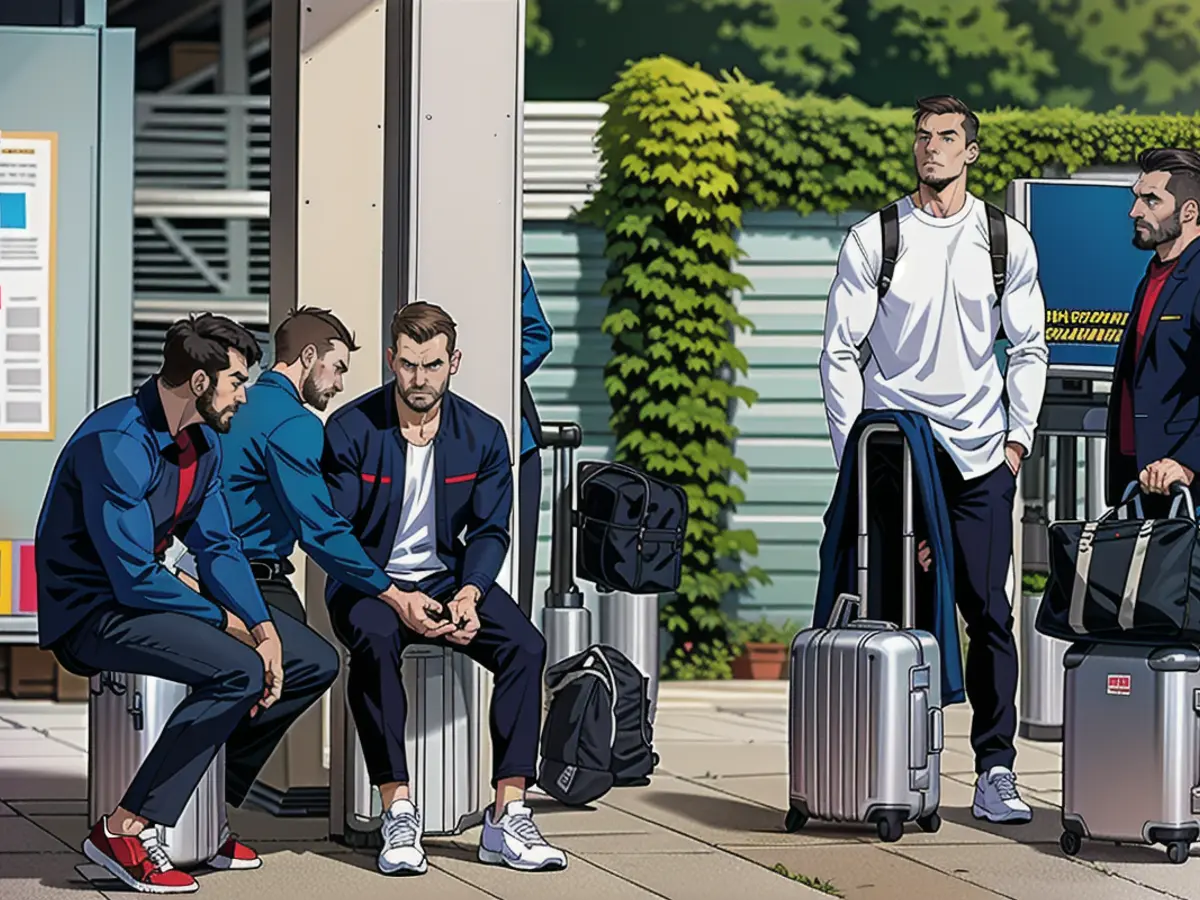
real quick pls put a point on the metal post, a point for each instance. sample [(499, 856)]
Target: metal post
[(1096, 452), (566, 624), (629, 623), (1066, 494), (234, 81)]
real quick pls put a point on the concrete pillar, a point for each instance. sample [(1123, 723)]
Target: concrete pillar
[(359, 91), (327, 89)]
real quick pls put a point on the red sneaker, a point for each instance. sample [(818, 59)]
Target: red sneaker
[(139, 862), (234, 855)]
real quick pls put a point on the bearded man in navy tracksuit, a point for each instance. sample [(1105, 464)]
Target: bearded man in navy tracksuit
[(412, 466)]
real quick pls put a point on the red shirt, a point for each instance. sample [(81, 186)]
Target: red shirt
[(187, 478), (1157, 277)]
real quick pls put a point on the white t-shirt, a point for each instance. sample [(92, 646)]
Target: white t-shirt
[(932, 339), (414, 551)]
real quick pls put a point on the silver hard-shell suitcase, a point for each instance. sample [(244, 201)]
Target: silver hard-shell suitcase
[(446, 738), (126, 715), (864, 709), (1131, 747)]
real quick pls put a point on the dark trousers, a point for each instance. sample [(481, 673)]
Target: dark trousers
[(981, 512), (226, 680), (282, 597), (529, 486), (507, 645)]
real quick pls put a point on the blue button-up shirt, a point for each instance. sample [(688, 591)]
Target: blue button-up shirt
[(271, 469), (111, 500), (536, 344)]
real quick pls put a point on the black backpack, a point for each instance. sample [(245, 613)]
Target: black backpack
[(631, 528), (889, 218), (597, 734)]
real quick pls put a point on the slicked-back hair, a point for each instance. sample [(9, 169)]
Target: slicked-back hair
[(940, 105), (1184, 168), (310, 325), (202, 343), (422, 322)]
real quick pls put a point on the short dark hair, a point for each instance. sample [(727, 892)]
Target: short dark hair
[(1183, 167), (309, 325), (422, 322), (940, 105), (202, 342)]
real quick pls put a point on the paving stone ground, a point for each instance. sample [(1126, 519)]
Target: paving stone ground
[(709, 826)]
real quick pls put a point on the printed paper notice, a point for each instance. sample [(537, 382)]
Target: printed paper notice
[(27, 247)]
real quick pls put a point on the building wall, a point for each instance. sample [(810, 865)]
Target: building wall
[(784, 437)]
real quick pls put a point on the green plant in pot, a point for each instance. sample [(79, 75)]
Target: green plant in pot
[(761, 648)]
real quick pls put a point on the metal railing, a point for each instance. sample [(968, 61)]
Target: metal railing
[(202, 202), (195, 142)]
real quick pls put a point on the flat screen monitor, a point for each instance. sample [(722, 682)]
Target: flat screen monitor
[(1087, 265)]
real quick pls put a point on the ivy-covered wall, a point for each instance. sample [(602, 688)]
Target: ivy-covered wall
[(690, 164)]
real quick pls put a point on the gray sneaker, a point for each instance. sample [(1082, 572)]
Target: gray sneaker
[(402, 853), (997, 800), (515, 842)]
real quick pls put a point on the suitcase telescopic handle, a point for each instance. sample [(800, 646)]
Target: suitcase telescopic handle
[(565, 438), (908, 551)]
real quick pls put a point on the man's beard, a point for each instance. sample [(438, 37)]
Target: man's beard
[(214, 418), (937, 184), (421, 399), (1170, 230), (311, 393)]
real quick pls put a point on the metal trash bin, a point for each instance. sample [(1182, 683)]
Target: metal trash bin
[(629, 623), (1042, 677), (566, 623)]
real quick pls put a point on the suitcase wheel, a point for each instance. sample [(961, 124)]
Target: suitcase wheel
[(795, 820), (930, 823), (1177, 852), (890, 827), (1070, 843)]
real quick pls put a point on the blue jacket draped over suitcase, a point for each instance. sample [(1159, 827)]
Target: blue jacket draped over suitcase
[(838, 557)]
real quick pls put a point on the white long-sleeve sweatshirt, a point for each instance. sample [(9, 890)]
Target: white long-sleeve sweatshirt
[(932, 339)]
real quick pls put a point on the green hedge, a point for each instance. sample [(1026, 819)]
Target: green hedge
[(810, 153), (684, 154)]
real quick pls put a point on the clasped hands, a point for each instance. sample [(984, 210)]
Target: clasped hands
[(457, 622), (263, 639)]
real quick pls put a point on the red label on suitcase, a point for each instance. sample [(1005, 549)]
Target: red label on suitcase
[(1120, 685)]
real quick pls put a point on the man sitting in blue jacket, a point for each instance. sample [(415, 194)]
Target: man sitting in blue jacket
[(413, 466), (135, 472)]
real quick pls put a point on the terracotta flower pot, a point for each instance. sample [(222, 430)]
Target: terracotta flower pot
[(762, 662)]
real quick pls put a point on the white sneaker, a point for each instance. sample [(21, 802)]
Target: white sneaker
[(515, 842), (997, 800), (402, 853)]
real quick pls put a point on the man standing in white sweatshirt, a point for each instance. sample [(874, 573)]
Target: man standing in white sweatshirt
[(928, 347)]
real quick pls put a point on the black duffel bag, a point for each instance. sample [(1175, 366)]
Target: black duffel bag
[(1125, 578), (631, 529)]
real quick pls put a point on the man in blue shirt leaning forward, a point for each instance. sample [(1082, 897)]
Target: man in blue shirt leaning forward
[(136, 472), (271, 469)]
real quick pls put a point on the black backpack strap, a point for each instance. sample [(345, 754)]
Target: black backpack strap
[(998, 247), (889, 218)]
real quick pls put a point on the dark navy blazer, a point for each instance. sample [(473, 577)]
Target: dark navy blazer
[(473, 486), (111, 500), (1165, 377)]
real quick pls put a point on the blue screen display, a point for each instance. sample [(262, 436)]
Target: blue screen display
[(1087, 266)]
